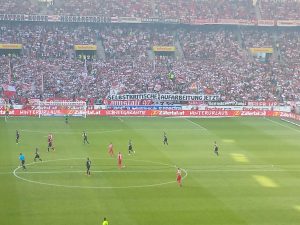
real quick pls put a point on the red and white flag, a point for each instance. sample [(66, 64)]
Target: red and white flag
[(8, 90)]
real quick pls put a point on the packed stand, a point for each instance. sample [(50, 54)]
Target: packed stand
[(281, 10), (244, 10), (210, 44), (289, 45), (253, 38), (129, 43), (132, 42), (105, 8), (185, 10), (47, 41), (213, 62), (19, 7)]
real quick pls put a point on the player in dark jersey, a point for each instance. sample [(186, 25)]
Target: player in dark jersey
[(130, 148), (50, 142), (37, 155), (216, 149), (67, 119), (85, 138), (88, 166), (17, 137), (165, 139)]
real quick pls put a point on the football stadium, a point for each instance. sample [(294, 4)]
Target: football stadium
[(142, 112)]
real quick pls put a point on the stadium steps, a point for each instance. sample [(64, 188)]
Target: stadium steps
[(100, 50), (246, 53), (179, 52), (151, 55), (276, 48), (257, 9), (153, 7)]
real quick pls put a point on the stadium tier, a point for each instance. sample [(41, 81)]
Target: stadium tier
[(185, 10), (149, 112), (91, 61)]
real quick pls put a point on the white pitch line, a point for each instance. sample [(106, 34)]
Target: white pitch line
[(101, 132), (126, 171), (296, 124), (94, 171), (97, 187), (94, 187), (238, 170), (280, 124), (198, 125), (121, 119), (75, 132)]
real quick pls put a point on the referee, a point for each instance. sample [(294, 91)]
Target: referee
[(22, 160)]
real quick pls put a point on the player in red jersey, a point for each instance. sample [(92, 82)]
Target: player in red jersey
[(111, 149), (179, 177), (50, 142), (120, 158)]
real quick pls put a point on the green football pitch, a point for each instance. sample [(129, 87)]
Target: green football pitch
[(255, 180)]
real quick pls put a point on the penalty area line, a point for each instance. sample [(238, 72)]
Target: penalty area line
[(280, 124), (198, 125)]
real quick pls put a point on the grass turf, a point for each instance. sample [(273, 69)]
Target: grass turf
[(254, 181)]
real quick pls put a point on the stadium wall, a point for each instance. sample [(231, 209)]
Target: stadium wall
[(158, 113), (137, 20)]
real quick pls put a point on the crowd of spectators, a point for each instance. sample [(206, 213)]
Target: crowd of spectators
[(19, 7), (210, 44), (54, 41), (213, 60), (185, 10), (134, 42), (289, 45), (279, 10), (253, 38), (46, 41), (109, 8)]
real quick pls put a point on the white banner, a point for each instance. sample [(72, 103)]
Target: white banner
[(164, 97)]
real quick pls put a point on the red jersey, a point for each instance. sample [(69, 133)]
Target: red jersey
[(120, 157), (178, 174)]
